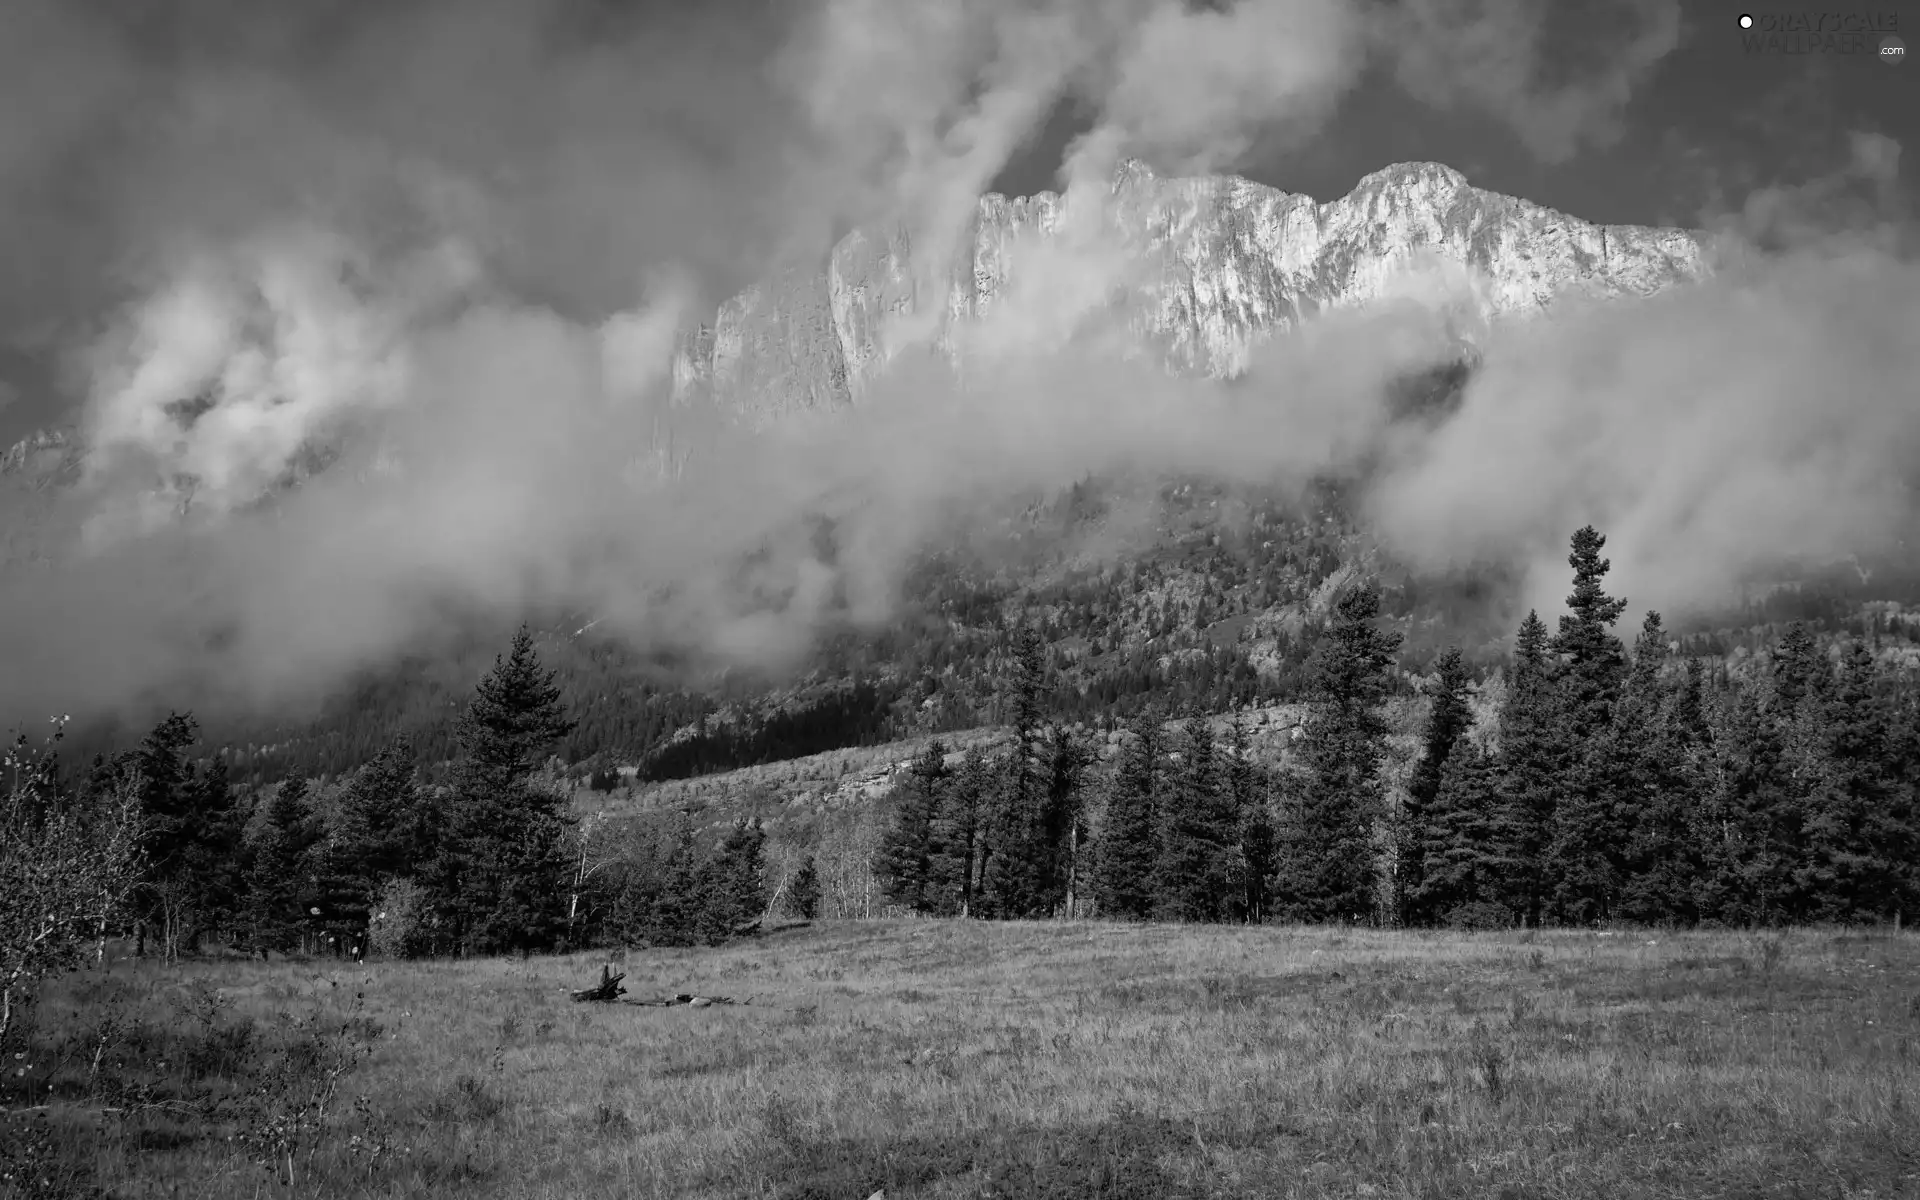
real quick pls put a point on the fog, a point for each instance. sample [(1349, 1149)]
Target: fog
[(453, 245)]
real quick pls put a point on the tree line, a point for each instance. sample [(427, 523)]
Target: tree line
[(1607, 785), (156, 844)]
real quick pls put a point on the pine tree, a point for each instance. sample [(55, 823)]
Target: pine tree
[(1246, 787), (1625, 770), (1658, 759), (192, 832), (1060, 821), (280, 885), (1017, 855), (1752, 861), (1447, 721), (1467, 843), (382, 815), (736, 895), (508, 860), (1328, 838), (1853, 850), (959, 856), (1130, 834), (1594, 660), (382, 834), (803, 894), (1797, 668), (679, 908), (911, 846), (1535, 754), (1199, 836)]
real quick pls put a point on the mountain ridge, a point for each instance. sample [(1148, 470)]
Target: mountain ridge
[(1225, 263), (1218, 264)]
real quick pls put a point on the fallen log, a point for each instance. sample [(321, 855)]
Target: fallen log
[(688, 999), (606, 991)]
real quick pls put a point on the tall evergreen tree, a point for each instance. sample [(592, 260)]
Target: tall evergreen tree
[(506, 852), (1852, 851), (732, 888), (1017, 856), (1594, 659), (1760, 822), (384, 832), (912, 845), (1797, 667), (1199, 835), (1130, 833), (1448, 719), (1535, 754), (803, 894), (1624, 771), (1328, 843), (1468, 840), (959, 830), (1657, 748), (192, 832), (1061, 820), (280, 885), (1246, 788)]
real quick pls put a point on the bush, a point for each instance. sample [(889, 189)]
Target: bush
[(399, 925)]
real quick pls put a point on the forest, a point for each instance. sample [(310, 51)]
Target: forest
[(1609, 783)]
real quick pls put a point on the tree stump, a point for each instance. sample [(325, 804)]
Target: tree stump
[(606, 991)]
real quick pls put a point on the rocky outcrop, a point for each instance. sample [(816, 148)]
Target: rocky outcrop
[(1215, 264)]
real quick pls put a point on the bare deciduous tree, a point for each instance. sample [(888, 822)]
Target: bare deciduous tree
[(68, 867)]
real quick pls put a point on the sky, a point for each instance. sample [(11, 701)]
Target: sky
[(453, 240), (1695, 126), (1706, 124)]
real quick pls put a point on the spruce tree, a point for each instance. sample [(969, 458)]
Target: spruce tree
[(192, 833), (1797, 666), (911, 845), (1018, 856), (1199, 835), (679, 915), (1467, 843), (279, 880), (958, 856), (1853, 851), (803, 894), (1061, 819), (1657, 748), (509, 863), (1756, 806), (1246, 787), (1328, 837), (1130, 833), (1447, 721), (1535, 753), (1594, 661), (1625, 770), (382, 834), (737, 895)]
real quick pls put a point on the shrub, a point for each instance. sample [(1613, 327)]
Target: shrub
[(398, 928)]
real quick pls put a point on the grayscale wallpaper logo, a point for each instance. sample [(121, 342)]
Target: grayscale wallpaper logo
[(1816, 32)]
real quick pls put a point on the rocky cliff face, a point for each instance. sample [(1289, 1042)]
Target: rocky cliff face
[(1216, 264), (1197, 271)]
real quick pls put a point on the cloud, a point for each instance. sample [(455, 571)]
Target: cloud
[(453, 246), (1741, 426)]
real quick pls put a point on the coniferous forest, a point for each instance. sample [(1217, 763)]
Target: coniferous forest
[(1585, 780)]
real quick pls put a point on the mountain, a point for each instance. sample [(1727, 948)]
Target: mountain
[(1215, 264), (1211, 266)]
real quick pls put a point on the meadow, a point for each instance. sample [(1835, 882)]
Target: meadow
[(968, 1059)]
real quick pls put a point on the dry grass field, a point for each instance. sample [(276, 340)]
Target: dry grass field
[(952, 1059)]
